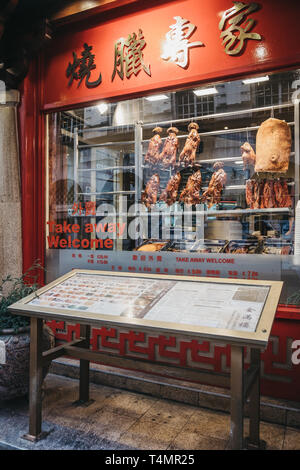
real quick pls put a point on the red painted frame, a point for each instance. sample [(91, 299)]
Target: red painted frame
[(31, 143), (32, 154)]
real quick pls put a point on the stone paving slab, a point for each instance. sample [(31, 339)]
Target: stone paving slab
[(122, 420)]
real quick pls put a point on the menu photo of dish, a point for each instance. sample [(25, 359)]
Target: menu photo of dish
[(109, 295)]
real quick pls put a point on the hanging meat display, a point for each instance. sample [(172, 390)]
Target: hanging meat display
[(287, 200), (278, 191), (282, 195), (188, 154), (169, 195), (217, 182), (250, 184), (149, 196), (273, 146), (267, 194), (268, 199), (248, 155), (152, 155), (191, 192), (169, 152)]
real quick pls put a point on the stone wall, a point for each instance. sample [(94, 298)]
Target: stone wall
[(10, 187)]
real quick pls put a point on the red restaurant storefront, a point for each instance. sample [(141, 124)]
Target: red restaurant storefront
[(92, 197)]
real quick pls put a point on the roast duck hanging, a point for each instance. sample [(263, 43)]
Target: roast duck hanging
[(217, 182), (188, 154), (169, 195), (152, 155), (167, 157), (191, 193), (150, 194)]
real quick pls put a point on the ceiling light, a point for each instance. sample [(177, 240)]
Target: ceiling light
[(239, 162), (206, 91), (102, 107), (256, 80), (156, 97)]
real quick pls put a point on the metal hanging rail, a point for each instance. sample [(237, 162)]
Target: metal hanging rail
[(180, 213), (222, 131), (106, 144), (120, 167), (219, 115), (107, 192)]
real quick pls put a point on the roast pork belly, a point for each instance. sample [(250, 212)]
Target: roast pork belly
[(169, 195), (149, 196), (273, 146), (188, 154)]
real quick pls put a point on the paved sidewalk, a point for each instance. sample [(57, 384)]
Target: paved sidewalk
[(121, 420)]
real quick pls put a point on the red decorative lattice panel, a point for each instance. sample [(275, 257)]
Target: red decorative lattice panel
[(280, 378)]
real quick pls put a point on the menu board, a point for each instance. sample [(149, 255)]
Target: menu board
[(227, 306), (219, 305)]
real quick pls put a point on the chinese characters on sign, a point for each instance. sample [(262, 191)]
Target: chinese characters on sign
[(235, 27), (176, 47), (81, 68), (235, 35), (129, 56)]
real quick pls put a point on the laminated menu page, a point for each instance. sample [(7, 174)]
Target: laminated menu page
[(199, 303), (217, 305)]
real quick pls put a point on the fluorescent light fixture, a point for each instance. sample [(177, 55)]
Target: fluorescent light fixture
[(256, 80), (239, 162), (206, 91), (102, 107), (156, 97)]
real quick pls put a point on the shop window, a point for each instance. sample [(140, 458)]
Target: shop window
[(118, 200)]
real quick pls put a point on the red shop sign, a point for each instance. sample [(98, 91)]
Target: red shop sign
[(137, 53)]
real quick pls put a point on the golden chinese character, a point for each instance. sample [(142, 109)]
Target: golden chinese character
[(128, 54), (235, 35), (81, 68), (176, 46)]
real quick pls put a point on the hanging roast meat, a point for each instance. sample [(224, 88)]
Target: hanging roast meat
[(250, 184), (260, 202), (169, 152), (279, 195), (287, 200), (191, 192), (268, 195), (152, 155), (169, 195), (248, 155), (273, 146), (188, 154), (256, 195), (149, 196), (217, 182), (282, 195)]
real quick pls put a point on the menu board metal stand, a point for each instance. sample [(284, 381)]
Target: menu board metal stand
[(243, 384)]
